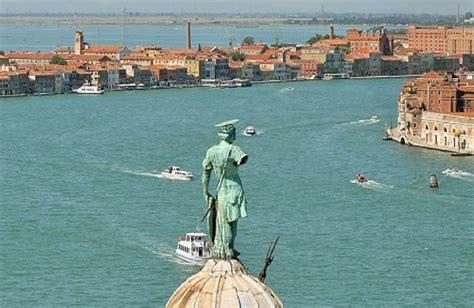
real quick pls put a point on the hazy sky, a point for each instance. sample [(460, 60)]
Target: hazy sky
[(233, 6)]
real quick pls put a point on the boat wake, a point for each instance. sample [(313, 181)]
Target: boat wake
[(372, 184), (153, 174), (459, 174), (167, 254), (372, 120), (287, 89)]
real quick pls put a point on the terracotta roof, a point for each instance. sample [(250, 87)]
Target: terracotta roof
[(86, 58), (364, 38), (236, 64), (30, 55), (253, 47), (43, 73), (255, 57), (137, 57), (103, 49), (432, 75), (334, 42)]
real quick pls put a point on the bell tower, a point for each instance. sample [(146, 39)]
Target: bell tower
[(78, 43)]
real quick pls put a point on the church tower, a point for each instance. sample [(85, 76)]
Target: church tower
[(78, 43)]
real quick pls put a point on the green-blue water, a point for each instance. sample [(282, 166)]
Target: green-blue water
[(82, 224)]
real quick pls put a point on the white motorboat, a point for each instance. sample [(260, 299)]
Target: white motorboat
[(88, 89), (250, 131), (193, 248), (335, 76), (175, 173)]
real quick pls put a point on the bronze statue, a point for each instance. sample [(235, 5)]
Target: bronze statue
[(225, 158)]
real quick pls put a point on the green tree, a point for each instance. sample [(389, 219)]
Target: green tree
[(57, 60), (314, 39), (237, 56), (248, 40), (2, 52)]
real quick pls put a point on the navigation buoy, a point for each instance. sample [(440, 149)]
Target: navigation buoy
[(433, 181)]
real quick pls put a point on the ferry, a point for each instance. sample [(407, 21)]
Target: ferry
[(336, 76), (88, 89), (250, 131), (193, 248), (175, 173)]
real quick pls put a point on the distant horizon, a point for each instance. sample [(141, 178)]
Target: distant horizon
[(431, 7)]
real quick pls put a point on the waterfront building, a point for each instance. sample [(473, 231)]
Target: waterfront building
[(273, 70), (235, 69), (310, 68), (372, 42), (99, 76), (365, 62), (209, 69), (194, 66), (46, 82), (14, 82), (4, 84), (393, 65), (436, 111), (441, 39)]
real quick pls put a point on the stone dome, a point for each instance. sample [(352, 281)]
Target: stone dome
[(224, 284)]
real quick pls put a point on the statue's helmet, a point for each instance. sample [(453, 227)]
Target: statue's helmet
[(227, 130)]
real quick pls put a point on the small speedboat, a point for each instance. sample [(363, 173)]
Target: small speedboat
[(374, 118), (250, 131), (361, 179), (193, 248), (175, 173)]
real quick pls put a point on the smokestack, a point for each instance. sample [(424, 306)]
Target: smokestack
[(331, 32), (188, 35)]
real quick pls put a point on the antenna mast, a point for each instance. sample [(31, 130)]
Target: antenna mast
[(123, 27), (322, 20)]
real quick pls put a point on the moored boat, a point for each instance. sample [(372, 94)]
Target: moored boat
[(194, 248), (87, 88)]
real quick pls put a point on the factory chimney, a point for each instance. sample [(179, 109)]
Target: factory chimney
[(188, 35)]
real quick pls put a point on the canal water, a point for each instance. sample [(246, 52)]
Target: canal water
[(83, 221)]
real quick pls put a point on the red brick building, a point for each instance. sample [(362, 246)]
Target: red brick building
[(442, 39), (374, 42)]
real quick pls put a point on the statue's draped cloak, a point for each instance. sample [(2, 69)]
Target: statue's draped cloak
[(231, 195)]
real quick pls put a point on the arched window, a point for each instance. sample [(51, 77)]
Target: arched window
[(426, 126), (445, 130), (436, 127)]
